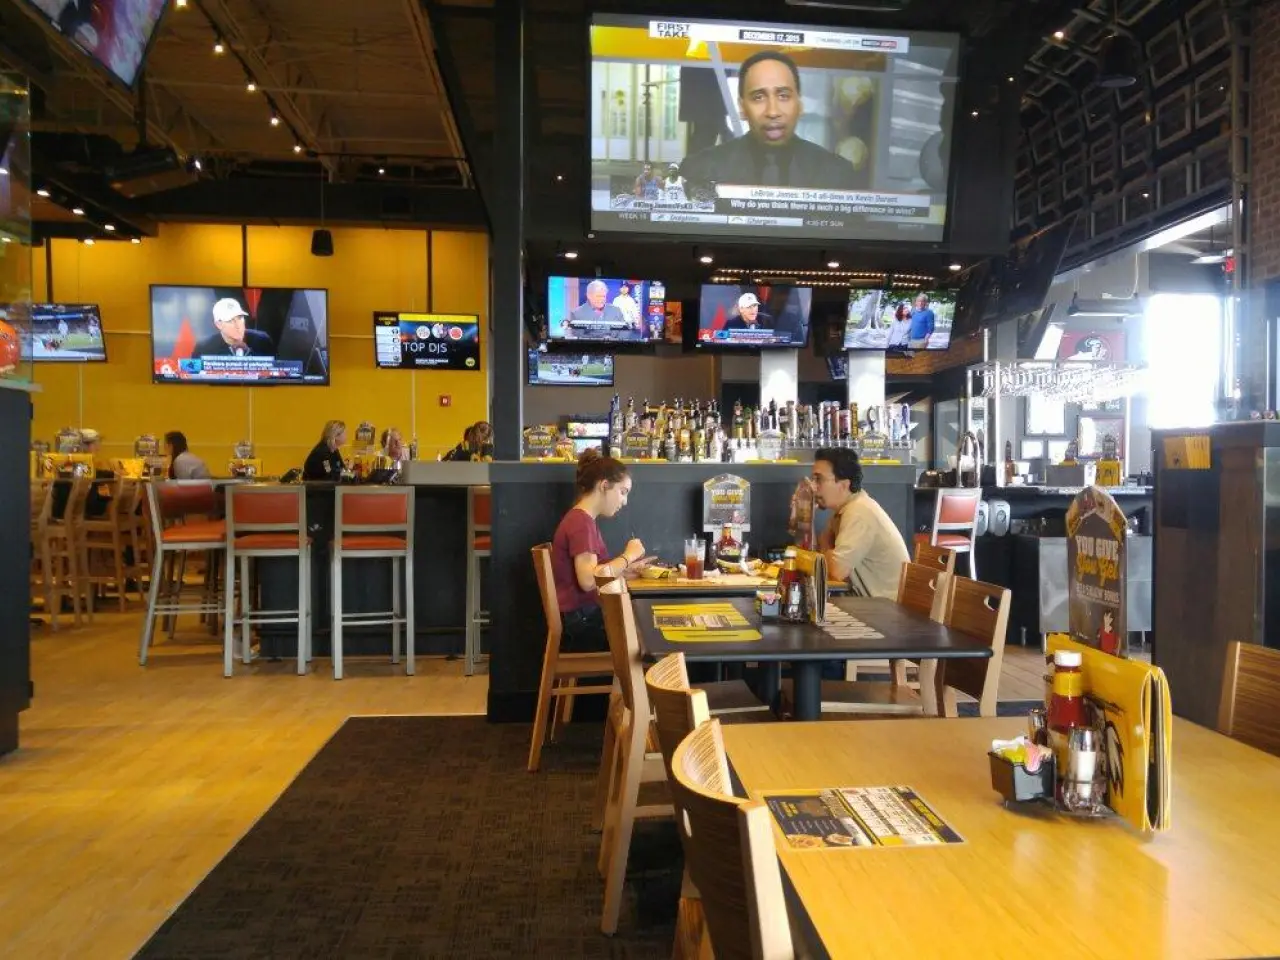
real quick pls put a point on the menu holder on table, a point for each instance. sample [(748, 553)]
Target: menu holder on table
[(1136, 725), (703, 623), (814, 566)]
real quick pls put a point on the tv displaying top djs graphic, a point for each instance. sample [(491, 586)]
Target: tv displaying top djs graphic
[(751, 315), (115, 34), (594, 309), (258, 335), (899, 319), (570, 369), (426, 341), (65, 333), (755, 130)]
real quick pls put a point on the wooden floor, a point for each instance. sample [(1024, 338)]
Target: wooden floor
[(132, 783)]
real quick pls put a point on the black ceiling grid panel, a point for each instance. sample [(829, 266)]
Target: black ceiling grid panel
[(1135, 160)]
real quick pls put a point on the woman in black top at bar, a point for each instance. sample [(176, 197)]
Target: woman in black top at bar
[(324, 462)]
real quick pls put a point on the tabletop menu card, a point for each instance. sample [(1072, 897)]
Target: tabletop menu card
[(848, 817)]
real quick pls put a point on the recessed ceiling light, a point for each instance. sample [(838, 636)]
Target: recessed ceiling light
[(195, 162), (134, 240), (251, 87), (109, 227), (571, 254), (42, 192), (89, 241), (1059, 35), (219, 47), (833, 264), (180, 4), (706, 258), (975, 113), (955, 268), (275, 120), (78, 211), (1145, 195), (7, 239), (559, 178), (381, 171), (297, 148), (1011, 79)]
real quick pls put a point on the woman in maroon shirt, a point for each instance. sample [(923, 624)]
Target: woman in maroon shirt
[(578, 551)]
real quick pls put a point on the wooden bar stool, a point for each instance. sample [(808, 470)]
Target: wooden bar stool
[(375, 524), (479, 543), (955, 523), (265, 521), (172, 505)]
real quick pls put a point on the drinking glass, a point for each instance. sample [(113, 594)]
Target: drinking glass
[(693, 548)]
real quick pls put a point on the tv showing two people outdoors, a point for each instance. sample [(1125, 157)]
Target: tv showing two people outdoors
[(260, 335), (751, 130), (899, 319)]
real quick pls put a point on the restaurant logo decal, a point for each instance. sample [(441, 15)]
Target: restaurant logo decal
[(726, 499)]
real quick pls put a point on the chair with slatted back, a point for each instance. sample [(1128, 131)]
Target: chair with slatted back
[(729, 851), (1250, 709), (980, 610), (560, 671), (937, 558), (926, 591)]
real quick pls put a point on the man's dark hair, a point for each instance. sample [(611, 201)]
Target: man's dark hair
[(760, 57), (177, 440), (845, 465)]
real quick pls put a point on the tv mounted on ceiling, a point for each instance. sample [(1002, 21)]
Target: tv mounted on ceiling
[(115, 34), (758, 131), (899, 319), (754, 316)]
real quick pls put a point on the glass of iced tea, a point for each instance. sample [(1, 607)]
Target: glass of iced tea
[(693, 548)]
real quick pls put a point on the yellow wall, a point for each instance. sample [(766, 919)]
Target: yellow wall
[(371, 270)]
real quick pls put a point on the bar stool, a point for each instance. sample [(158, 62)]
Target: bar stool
[(955, 522), (170, 505), (479, 545), (374, 523), (266, 521)]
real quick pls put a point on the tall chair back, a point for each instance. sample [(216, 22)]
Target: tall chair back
[(1250, 710), (729, 851), (624, 647), (550, 604), (373, 513), (955, 522), (980, 610), (678, 709), (924, 589), (938, 558), (267, 516)]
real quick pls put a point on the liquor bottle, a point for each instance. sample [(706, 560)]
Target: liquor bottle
[(855, 424), (1009, 468), (843, 424), (630, 420), (699, 443), (739, 421), (413, 449), (669, 444), (655, 441)]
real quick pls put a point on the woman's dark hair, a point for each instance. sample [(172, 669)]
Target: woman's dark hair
[(844, 465), (177, 440), (594, 468)]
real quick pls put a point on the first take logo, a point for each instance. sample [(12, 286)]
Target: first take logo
[(669, 30)]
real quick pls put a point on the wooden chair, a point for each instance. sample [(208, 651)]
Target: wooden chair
[(1250, 709), (560, 671), (980, 610), (626, 752), (729, 851), (926, 591), (937, 558)]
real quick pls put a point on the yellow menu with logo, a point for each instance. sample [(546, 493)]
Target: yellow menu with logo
[(1137, 720)]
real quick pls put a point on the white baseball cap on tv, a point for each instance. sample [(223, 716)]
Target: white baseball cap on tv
[(228, 308), (747, 300)]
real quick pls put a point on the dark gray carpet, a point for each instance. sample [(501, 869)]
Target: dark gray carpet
[(413, 837)]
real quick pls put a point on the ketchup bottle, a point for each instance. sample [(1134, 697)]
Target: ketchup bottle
[(1066, 702)]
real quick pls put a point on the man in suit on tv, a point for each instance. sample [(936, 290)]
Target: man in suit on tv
[(595, 312), (230, 338), (770, 154)]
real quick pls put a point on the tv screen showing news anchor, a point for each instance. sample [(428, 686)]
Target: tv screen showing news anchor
[(263, 335), (751, 315), (738, 129)]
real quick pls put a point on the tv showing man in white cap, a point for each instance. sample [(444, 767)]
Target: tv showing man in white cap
[(230, 337), (749, 315)]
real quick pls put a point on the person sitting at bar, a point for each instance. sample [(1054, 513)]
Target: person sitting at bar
[(324, 462), (393, 446), (463, 450), (183, 464), (578, 551), (477, 443), (862, 544)]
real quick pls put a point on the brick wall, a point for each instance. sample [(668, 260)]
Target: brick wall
[(1264, 187)]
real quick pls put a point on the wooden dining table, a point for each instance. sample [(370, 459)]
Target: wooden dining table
[(903, 634), (720, 585), (1025, 881)]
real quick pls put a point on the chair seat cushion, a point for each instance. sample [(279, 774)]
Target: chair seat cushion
[(206, 531), (482, 542), (730, 697), (953, 540), (371, 541), (268, 541)]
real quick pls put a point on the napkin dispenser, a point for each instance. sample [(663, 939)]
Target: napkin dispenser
[(812, 566)]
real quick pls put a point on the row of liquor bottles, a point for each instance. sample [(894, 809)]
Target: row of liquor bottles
[(695, 430)]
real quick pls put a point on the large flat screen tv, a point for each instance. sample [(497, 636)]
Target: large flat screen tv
[(745, 316), (899, 319), (977, 298), (426, 341), (239, 335), (725, 128), (570, 369), (65, 333), (115, 34), (1028, 270), (600, 310)]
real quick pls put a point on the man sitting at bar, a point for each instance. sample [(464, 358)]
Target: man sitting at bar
[(861, 543)]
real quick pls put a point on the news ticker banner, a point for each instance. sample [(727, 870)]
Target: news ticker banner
[(821, 39)]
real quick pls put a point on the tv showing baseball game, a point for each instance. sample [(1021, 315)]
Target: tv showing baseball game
[(65, 333), (239, 335), (899, 319), (600, 310), (754, 315), (426, 341), (570, 369), (728, 128)]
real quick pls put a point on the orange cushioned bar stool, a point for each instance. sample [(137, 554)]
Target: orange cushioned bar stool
[(266, 521), (375, 523), (955, 522), (182, 516), (479, 542)]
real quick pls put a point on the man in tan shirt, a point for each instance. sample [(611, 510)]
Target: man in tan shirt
[(862, 544)]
